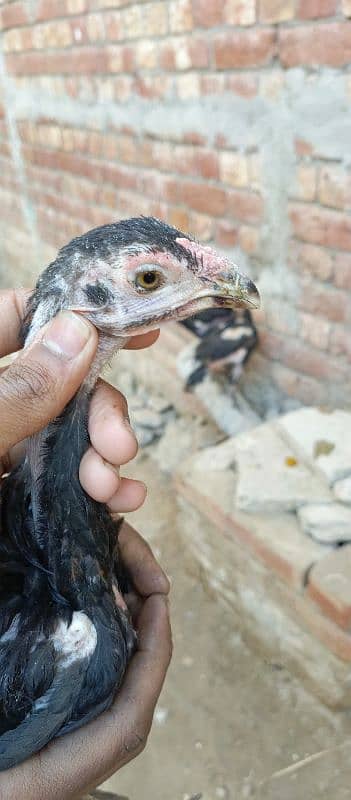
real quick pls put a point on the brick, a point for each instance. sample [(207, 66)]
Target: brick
[(255, 170), (242, 85), (167, 56), (120, 59), (154, 19), (201, 227), (342, 271), (95, 27), (133, 20), (191, 53), (184, 53), (226, 233), (302, 147), (127, 150), (12, 41), (233, 169), (113, 25), (79, 31), (314, 9), (315, 330), (151, 86), (55, 35), (240, 49), (194, 137), (204, 198), (102, 4), (105, 90), (280, 317), (340, 342), (329, 585), (120, 176), (276, 10), (272, 84), (14, 14), (76, 6), (346, 7), (163, 156), (179, 218), (335, 187), (301, 357), (324, 300), (286, 379), (146, 54), (313, 45), (249, 239), (208, 13), (83, 60), (321, 226), (180, 16), (187, 160), (245, 206), (122, 88), (206, 163), (306, 182), (311, 259), (188, 86), (67, 162), (212, 83), (239, 12)]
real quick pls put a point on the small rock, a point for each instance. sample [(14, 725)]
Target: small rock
[(326, 523), (222, 792), (342, 490), (161, 715), (198, 746), (187, 661)]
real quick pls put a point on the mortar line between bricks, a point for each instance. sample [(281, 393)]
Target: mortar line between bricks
[(215, 30)]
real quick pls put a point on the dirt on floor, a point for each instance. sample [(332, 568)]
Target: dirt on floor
[(227, 719)]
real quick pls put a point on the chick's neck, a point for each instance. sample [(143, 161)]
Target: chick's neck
[(73, 531)]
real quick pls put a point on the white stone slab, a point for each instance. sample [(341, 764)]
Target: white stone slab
[(342, 490), (270, 479), (326, 523), (322, 438)]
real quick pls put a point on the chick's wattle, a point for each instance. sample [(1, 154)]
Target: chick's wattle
[(65, 638)]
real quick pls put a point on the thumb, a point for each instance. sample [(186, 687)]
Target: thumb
[(44, 377)]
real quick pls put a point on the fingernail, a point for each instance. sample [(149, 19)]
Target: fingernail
[(67, 335)]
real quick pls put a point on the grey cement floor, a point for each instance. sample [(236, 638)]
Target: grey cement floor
[(227, 720)]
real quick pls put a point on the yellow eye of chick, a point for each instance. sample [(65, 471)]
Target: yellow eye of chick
[(148, 280)]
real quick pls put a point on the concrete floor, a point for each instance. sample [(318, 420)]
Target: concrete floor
[(226, 719)]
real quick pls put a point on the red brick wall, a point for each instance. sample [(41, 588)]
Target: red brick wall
[(230, 119)]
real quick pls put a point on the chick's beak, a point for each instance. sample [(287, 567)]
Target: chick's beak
[(229, 287), (233, 289)]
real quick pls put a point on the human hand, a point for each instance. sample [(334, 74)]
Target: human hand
[(40, 382), (74, 764)]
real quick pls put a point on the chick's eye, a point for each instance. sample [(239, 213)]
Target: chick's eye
[(148, 280)]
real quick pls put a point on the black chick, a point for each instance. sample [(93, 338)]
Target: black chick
[(65, 634), (228, 338)]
